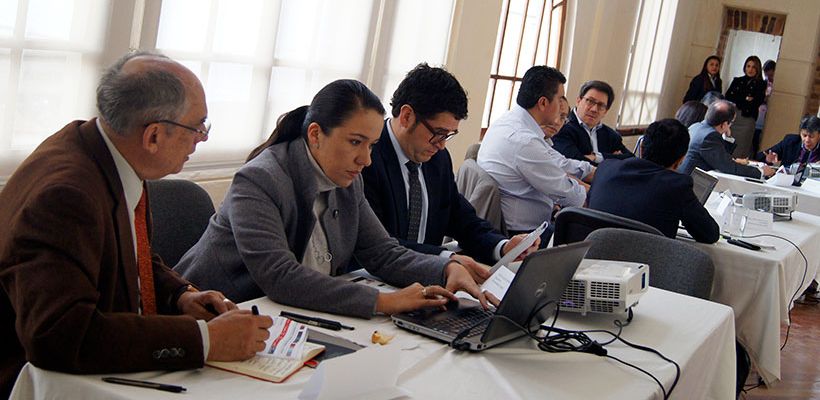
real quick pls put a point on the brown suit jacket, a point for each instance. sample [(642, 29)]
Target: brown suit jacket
[(69, 273)]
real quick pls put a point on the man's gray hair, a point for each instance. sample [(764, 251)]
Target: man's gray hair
[(127, 101), (720, 111)]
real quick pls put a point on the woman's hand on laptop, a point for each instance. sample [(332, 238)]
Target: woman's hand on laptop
[(477, 270), (459, 279), (515, 240), (412, 298)]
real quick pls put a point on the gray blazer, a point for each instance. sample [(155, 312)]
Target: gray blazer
[(254, 245), (708, 151)]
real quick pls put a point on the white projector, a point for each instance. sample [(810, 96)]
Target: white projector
[(603, 286), (779, 203)]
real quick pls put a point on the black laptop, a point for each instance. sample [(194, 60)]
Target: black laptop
[(541, 279)]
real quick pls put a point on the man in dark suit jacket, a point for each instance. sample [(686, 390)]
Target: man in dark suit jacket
[(427, 107), (711, 145), (802, 148), (649, 190), (584, 137), (70, 256)]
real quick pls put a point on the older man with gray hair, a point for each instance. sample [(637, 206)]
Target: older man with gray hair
[(82, 292)]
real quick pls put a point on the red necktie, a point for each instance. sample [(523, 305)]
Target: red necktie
[(147, 295)]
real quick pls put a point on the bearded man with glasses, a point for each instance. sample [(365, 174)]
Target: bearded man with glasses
[(410, 183), (584, 137)]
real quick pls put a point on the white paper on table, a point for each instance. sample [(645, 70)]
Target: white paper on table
[(287, 339), (520, 247), (370, 373), (498, 283), (781, 180), (757, 222), (725, 202)]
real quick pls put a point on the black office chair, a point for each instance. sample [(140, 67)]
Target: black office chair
[(673, 265), (180, 213), (574, 224)]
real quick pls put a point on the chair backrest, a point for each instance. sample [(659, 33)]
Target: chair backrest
[(481, 190), (472, 151), (637, 150), (180, 211), (673, 265), (573, 224)]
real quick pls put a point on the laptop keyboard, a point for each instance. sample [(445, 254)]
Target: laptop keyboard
[(469, 317)]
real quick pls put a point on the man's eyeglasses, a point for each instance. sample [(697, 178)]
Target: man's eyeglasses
[(439, 134), (595, 103), (203, 132)]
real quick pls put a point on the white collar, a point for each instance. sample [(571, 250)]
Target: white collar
[(403, 159), (583, 124), (131, 182)]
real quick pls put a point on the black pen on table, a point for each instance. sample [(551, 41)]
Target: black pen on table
[(145, 384), (315, 321)]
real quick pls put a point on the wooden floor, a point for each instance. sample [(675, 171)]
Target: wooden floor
[(799, 360)]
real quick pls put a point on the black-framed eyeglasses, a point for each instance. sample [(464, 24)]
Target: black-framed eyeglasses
[(439, 134), (203, 132), (601, 106)]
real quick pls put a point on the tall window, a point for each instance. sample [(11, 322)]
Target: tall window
[(49, 58), (647, 63), (256, 58), (530, 32)]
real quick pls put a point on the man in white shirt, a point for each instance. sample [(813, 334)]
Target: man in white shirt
[(532, 177)]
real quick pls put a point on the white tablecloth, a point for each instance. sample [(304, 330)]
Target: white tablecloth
[(808, 195), (698, 334), (759, 285)]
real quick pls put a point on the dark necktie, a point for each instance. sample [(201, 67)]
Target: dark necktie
[(146, 273), (414, 215)]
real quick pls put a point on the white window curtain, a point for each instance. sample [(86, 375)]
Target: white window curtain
[(647, 64), (49, 62), (256, 58)]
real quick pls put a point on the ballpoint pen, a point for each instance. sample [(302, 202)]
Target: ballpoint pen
[(315, 321), (145, 384)]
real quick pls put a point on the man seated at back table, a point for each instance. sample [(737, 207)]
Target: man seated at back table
[(796, 149), (648, 189), (584, 137), (711, 145)]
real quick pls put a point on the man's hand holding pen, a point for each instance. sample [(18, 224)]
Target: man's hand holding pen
[(237, 335)]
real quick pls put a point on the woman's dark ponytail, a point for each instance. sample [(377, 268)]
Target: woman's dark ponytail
[(289, 126)]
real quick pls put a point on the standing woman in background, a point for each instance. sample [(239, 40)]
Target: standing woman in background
[(747, 92), (708, 80), (295, 215)]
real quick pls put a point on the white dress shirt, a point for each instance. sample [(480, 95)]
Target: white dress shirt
[(530, 177), (593, 136), (132, 187)]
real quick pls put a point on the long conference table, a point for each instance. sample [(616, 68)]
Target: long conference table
[(808, 195), (760, 285), (699, 335)]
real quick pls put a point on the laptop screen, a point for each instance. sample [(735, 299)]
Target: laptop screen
[(703, 184)]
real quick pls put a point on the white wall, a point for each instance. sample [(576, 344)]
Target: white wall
[(470, 58)]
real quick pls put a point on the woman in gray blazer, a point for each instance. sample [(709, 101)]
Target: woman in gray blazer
[(295, 215)]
